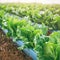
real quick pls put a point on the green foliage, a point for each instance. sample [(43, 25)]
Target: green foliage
[(55, 37), (38, 13), (30, 23)]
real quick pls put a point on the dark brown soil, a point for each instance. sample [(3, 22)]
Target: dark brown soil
[(8, 49)]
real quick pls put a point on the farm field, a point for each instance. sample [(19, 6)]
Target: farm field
[(35, 28)]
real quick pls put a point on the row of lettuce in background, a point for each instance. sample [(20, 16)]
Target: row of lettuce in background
[(34, 36), (38, 13)]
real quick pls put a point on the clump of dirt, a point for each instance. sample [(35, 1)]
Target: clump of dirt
[(8, 49)]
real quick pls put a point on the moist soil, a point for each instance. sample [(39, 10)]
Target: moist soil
[(8, 49)]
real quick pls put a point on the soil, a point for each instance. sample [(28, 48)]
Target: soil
[(8, 49)]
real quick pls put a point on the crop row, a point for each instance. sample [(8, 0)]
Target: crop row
[(30, 24)]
